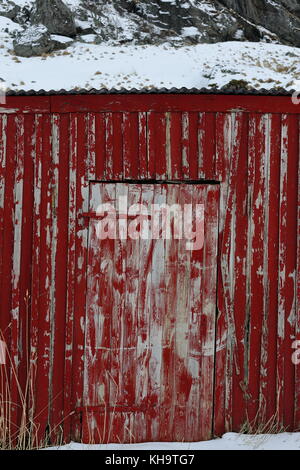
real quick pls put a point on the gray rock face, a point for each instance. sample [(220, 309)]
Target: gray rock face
[(179, 22), (281, 17), (55, 15), (191, 21), (9, 9), (292, 5), (36, 40)]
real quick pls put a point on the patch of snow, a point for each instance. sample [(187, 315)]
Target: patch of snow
[(84, 65), (230, 441), (8, 26), (62, 39), (208, 7), (189, 31), (89, 38), (73, 4), (23, 3), (239, 34), (82, 24)]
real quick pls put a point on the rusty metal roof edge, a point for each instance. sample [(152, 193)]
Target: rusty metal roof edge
[(158, 91)]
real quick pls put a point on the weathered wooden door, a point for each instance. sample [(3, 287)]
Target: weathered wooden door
[(150, 314)]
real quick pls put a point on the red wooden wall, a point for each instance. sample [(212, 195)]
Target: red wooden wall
[(52, 147)]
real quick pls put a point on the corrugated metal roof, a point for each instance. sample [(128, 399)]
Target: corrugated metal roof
[(122, 91)]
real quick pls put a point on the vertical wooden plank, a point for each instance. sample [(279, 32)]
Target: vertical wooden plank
[(168, 368), (190, 145), (155, 320), (195, 418), (28, 313), (297, 380), (269, 358), (16, 266), (160, 146), (114, 146), (91, 144), (116, 391), (193, 145), (185, 146), (208, 308), (3, 151), (223, 154), (150, 145), (282, 269), (226, 260), (143, 147), (82, 205), (110, 143), (100, 144), (42, 268), (176, 146), (71, 281), (143, 351), (129, 369), (9, 127), (117, 145), (3, 131), (225, 130), (90, 165), (52, 247), (201, 145), (169, 171), (263, 398), (237, 262), (207, 146), (157, 148), (131, 145), (290, 267), (60, 153), (257, 152), (183, 380), (25, 300), (36, 414)]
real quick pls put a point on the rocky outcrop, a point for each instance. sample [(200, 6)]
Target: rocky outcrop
[(278, 16), (194, 20), (55, 15), (179, 22), (9, 9), (36, 40)]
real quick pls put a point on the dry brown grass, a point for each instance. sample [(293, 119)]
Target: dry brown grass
[(23, 434)]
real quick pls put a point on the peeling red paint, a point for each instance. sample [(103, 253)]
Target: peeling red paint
[(51, 150)]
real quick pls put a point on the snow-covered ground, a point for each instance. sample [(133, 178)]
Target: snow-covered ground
[(87, 65), (230, 441)]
